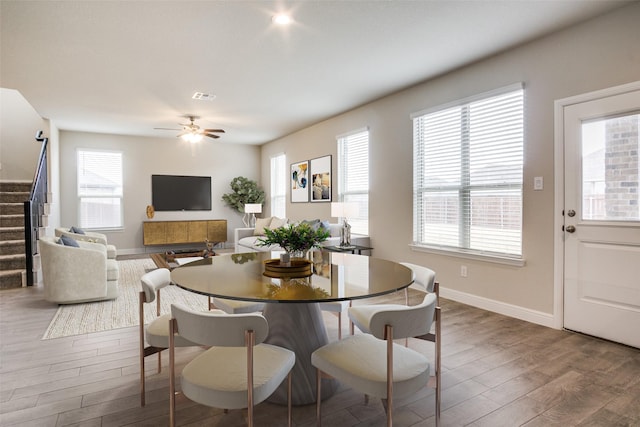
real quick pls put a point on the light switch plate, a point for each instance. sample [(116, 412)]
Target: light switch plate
[(538, 183)]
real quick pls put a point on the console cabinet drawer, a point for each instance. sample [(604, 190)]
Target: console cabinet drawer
[(174, 232)]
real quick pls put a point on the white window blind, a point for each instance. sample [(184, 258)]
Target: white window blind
[(353, 176), (99, 189), (279, 177), (468, 162)]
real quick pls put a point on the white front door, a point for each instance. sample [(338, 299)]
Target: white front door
[(602, 217)]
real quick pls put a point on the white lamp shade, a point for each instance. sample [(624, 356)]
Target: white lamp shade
[(344, 210), (253, 208)]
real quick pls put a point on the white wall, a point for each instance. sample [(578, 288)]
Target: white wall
[(19, 150), (597, 54), (143, 157)]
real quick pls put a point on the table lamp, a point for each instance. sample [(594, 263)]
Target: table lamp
[(343, 210), (250, 211)]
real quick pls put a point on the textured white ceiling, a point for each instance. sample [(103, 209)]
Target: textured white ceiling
[(125, 67)]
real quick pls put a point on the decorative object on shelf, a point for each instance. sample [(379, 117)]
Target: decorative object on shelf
[(296, 268), (295, 239), (343, 210), (150, 211), (250, 211), (321, 179), (245, 191), (208, 251), (299, 182)]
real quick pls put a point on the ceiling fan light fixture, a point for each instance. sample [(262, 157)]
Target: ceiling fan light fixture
[(192, 137)]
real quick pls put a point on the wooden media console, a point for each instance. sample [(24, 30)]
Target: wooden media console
[(178, 232)]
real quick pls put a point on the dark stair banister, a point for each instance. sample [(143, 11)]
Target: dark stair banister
[(34, 208)]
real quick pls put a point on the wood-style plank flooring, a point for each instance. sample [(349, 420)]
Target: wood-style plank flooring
[(497, 371)]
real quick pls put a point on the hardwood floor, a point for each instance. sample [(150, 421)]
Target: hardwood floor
[(497, 371)]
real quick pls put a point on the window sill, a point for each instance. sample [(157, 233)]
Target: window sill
[(105, 230), (516, 262)]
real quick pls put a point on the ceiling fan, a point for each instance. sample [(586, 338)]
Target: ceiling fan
[(191, 132)]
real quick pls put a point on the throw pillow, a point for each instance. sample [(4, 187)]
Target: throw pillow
[(77, 230), (68, 241), (277, 222), (261, 224), (314, 223)]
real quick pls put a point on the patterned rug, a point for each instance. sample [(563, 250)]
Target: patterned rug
[(76, 319)]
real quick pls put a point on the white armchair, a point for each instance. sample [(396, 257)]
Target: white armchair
[(77, 274), (89, 236)]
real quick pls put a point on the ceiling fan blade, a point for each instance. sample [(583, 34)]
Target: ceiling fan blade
[(166, 129), (214, 130), (210, 135)]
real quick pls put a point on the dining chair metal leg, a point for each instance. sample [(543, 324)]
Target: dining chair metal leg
[(318, 396), (389, 337), (289, 403), (250, 342), (438, 366), (142, 374), (172, 380)]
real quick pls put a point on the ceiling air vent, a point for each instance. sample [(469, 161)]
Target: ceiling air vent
[(203, 96)]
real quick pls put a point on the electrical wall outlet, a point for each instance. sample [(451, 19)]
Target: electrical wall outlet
[(463, 271)]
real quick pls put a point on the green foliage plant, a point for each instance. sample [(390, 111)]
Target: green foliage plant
[(294, 237), (244, 191)]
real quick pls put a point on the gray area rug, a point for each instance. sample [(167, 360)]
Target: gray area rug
[(77, 319)]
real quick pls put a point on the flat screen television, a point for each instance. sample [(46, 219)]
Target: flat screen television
[(181, 193)]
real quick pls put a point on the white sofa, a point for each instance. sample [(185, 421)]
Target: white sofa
[(89, 236), (246, 239), (77, 274)]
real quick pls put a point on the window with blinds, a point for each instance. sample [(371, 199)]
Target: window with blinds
[(99, 189), (468, 160), (353, 176), (279, 178)]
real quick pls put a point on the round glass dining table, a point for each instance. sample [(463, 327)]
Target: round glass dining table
[(292, 309)]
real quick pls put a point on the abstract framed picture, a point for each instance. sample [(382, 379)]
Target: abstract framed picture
[(299, 178), (321, 179)]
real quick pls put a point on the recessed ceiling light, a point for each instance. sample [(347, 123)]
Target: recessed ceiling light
[(281, 19)]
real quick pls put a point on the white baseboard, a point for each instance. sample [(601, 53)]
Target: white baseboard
[(528, 315)]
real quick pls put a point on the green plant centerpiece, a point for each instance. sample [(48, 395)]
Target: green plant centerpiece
[(245, 191), (295, 239)]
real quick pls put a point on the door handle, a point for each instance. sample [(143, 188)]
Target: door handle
[(570, 229)]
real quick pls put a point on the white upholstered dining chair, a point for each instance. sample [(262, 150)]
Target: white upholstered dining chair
[(374, 365), (156, 333), (238, 371)]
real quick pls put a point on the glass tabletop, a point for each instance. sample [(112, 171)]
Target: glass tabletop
[(331, 277)]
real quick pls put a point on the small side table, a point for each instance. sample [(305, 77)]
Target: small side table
[(352, 249)]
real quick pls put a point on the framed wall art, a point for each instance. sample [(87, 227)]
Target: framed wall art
[(299, 178), (321, 179)]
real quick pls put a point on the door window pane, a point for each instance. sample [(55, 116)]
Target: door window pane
[(610, 169)]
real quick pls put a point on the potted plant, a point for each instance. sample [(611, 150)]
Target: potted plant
[(245, 191), (295, 239)]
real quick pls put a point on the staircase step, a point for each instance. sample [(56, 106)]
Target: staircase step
[(12, 262), (11, 233), (12, 247), (16, 220), (11, 279), (19, 186), (12, 208), (14, 197)]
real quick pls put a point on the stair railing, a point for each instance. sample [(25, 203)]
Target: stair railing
[(34, 207)]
